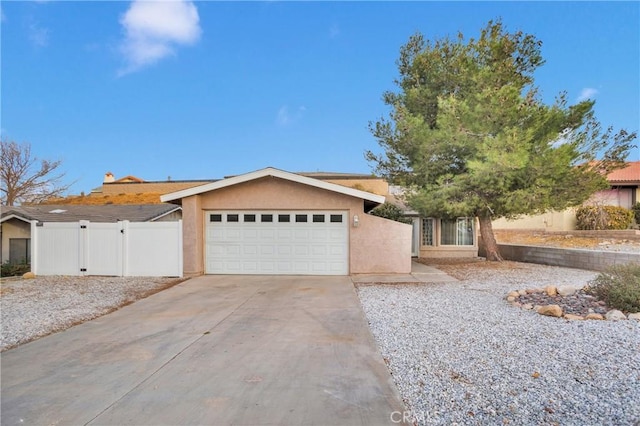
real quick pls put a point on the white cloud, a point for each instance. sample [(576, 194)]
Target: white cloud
[(154, 28), (286, 117), (39, 36), (587, 93)]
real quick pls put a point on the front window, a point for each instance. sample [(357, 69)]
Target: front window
[(456, 232), (19, 250), (427, 232)]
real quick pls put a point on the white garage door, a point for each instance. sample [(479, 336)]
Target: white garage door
[(277, 242)]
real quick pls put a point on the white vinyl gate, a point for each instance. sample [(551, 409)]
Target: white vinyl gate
[(111, 249)]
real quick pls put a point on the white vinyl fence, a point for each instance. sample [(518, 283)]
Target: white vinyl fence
[(123, 248)]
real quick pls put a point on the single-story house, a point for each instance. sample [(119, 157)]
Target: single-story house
[(275, 222), (15, 222)]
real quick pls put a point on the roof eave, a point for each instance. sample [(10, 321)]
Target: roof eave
[(270, 171), (16, 216), (160, 216)]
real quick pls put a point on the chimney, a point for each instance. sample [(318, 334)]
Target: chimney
[(108, 177)]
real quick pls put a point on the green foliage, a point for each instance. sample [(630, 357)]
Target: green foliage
[(619, 287), (14, 269), (636, 212), (469, 134), (390, 211), (599, 217)]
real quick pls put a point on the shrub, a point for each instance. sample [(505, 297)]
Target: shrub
[(636, 212), (603, 217), (390, 211), (12, 269), (618, 286)]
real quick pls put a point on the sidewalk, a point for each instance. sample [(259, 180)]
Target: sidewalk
[(420, 273)]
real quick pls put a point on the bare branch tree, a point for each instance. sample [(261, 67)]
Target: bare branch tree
[(25, 178)]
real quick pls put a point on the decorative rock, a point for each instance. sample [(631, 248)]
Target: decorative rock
[(566, 290), (551, 290), (513, 294), (635, 316), (615, 315), (594, 316), (28, 276), (572, 317), (511, 299), (522, 292), (550, 310), (527, 306)]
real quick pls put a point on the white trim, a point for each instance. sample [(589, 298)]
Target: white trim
[(15, 216), (153, 219), (270, 171)]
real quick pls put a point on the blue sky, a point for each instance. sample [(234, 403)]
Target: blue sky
[(197, 90)]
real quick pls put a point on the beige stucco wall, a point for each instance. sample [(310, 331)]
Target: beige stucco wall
[(271, 193), (552, 221), (384, 246), (446, 252), (13, 228), (192, 236)]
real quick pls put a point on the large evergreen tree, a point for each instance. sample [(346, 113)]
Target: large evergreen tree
[(469, 135)]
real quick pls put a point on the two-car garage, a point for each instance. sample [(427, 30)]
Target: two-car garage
[(277, 242), (275, 222)]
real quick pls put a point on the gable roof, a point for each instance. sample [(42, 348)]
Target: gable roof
[(74, 213), (629, 174), (272, 172)]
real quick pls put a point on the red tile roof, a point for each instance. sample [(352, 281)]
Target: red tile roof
[(629, 174)]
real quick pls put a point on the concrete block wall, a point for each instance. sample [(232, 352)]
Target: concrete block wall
[(570, 258)]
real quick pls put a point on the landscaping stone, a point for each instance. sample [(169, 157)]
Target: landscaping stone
[(28, 276), (635, 316), (550, 310), (573, 317), (594, 316), (566, 290), (615, 315), (570, 302)]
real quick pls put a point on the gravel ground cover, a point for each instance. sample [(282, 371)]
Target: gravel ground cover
[(36, 307), (460, 354)]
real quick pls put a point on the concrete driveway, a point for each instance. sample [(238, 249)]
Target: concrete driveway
[(242, 350)]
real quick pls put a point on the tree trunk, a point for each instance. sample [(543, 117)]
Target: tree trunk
[(488, 239)]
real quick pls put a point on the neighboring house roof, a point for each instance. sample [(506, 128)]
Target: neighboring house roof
[(74, 213), (627, 175), (104, 199), (271, 172)]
